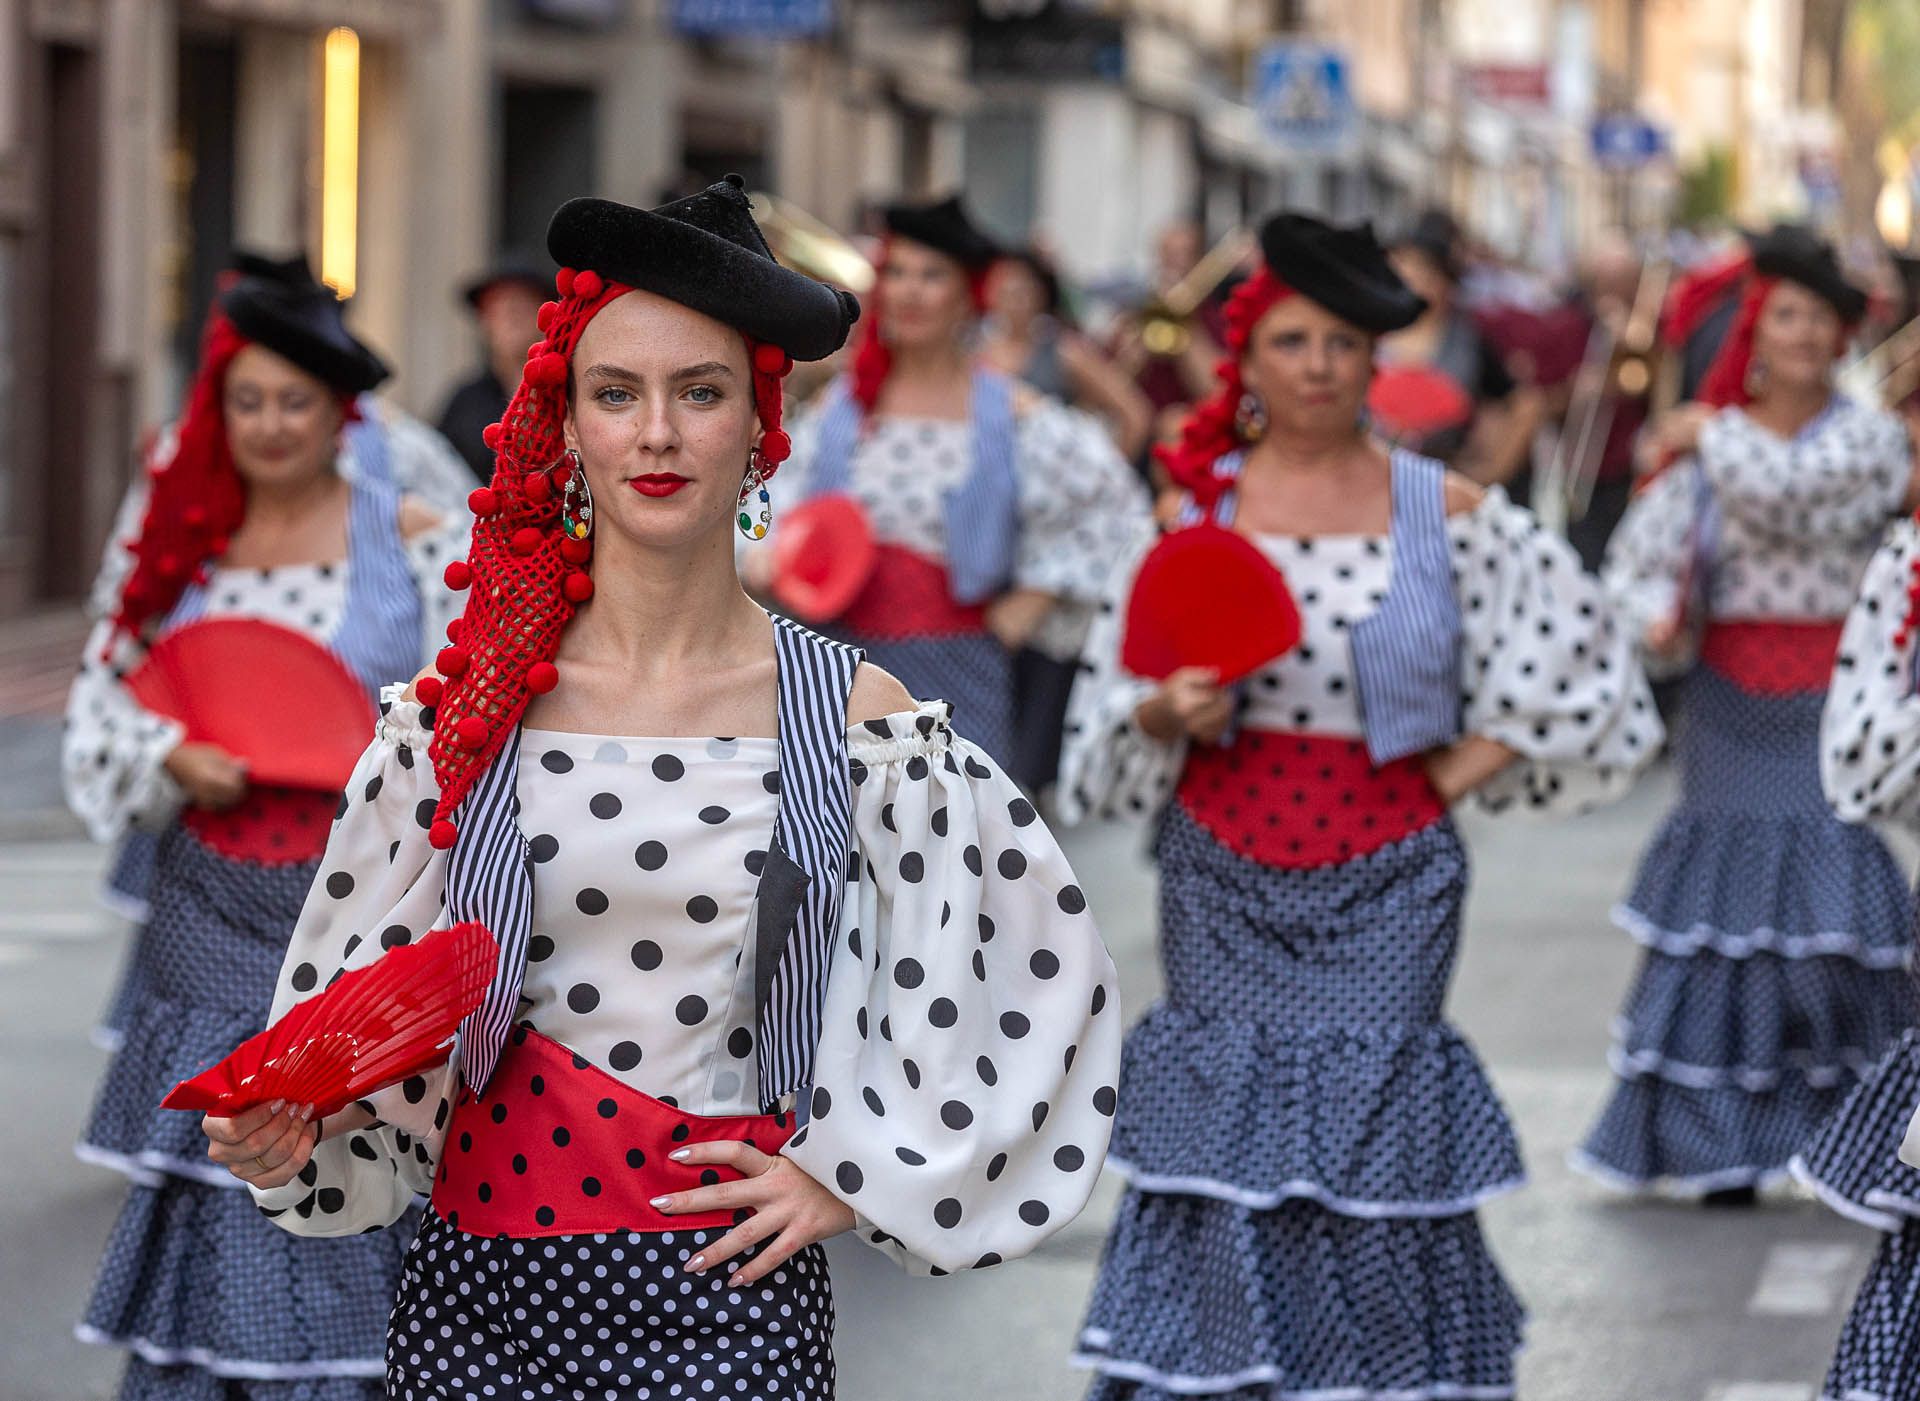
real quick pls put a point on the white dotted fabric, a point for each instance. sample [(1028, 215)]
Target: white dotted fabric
[(614, 1317), (1870, 729), (971, 1035)]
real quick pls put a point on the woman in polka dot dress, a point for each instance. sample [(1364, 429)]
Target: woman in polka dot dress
[(998, 512), (1775, 936), (781, 955), (1864, 1162), (1305, 1139), (350, 565)]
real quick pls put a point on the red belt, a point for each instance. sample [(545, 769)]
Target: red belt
[(1772, 658), (556, 1146), (1299, 800), (909, 595), (270, 826)]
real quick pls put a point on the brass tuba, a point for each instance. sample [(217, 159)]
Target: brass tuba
[(807, 245)]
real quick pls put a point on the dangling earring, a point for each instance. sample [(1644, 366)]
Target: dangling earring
[(576, 501), (1756, 384), (1250, 418), (755, 520)]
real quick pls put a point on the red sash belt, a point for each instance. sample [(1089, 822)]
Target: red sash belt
[(270, 826), (557, 1146), (909, 595), (1299, 800), (1773, 658)]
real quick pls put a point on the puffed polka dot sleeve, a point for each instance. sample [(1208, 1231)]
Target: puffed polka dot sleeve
[(1109, 766), (1546, 669), (1650, 556), (423, 462), (428, 555), (380, 885), (1081, 506), (1838, 480), (113, 752), (964, 1080), (1870, 729)]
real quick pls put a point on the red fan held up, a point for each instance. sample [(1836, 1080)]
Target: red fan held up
[(371, 1028), (1206, 596), (524, 576), (207, 676), (822, 557)]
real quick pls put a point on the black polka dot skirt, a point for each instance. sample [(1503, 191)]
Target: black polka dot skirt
[(973, 672), (1305, 1142), (615, 1317), (1776, 941), (190, 1258)]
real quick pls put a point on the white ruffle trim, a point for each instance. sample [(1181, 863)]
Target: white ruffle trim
[(151, 1169), (1702, 936), (238, 1368), (1634, 1065), (1762, 1179), (1839, 1205), (1309, 1192), (1188, 1384)]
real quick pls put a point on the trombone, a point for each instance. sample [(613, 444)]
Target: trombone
[(807, 245), (1164, 325), (1889, 372)]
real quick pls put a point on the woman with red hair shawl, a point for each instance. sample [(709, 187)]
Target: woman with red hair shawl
[(246, 512), (1305, 1139), (1775, 936), (780, 955), (997, 511)]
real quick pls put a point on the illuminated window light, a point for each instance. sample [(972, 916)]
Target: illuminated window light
[(340, 162)]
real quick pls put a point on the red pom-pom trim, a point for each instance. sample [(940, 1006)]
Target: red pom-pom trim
[(564, 281), (428, 690), (459, 574), (471, 732), (492, 434), (442, 835), (577, 587), (450, 661), (547, 370), (455, 626), (527, 539), (195, 516), (776, 446), (542, 677), (538, 487), (771, 360), (483, 501), (586, 284), (543, 318), (575, 551)]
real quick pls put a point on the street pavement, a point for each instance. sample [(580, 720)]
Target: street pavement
[(1630, 1301)]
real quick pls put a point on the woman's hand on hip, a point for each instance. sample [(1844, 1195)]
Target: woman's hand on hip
[(790, 1211)]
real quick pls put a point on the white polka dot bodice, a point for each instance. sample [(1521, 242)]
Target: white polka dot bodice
[(903, 469), (308, 598), (1336, 581), (646, 859)]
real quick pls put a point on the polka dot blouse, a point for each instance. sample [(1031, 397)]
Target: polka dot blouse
[(1870, 729), (1545, 670), (113, 751), (1789, 524), (966, 1068), (1080, 505)]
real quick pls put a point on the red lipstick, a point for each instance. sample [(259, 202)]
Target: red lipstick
[(658, 483)]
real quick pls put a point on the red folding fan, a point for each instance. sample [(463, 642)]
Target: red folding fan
[(372, 1028), (823, 554), (1206, 596), (263, 693), (1412, 401)]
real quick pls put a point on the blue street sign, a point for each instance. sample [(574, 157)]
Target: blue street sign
[(1625, 142), (1303, 94), (758, 18)]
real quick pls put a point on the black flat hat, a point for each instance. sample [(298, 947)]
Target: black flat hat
[(518, 269), (1796, 253), (706, 252), (276, 302), (944, 226), (1345, 270)]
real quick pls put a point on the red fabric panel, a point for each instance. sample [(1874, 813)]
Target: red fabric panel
[(909, 595), (1770, 658), (270, 827)]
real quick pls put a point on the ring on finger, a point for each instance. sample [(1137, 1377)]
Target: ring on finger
[(261, 1163)]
